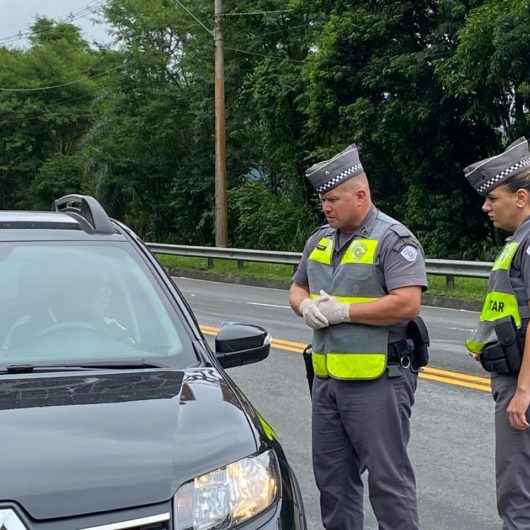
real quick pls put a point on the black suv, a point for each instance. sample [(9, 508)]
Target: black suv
[(114, 412)]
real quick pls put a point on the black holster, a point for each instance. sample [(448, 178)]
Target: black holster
[(504, 355), (309, 372), (419, 335)]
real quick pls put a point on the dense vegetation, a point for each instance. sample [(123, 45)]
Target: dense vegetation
[(424, 87)]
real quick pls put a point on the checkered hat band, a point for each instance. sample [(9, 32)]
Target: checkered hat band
[(508, 172), (335, 181)]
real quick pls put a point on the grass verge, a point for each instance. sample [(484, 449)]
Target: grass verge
[(229, 268), (472, 289)]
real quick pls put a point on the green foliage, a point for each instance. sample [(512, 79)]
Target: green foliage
[(268, 221), (43, 126), (59, 175), (491, 65), (424, 87)]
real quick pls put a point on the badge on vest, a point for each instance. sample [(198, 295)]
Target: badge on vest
[(410, 253), (358, 249)]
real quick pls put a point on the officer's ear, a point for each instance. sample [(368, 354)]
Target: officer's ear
[(522, 197), (361, 192)]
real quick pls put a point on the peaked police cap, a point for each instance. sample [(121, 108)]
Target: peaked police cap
[(328, 174), (492, 172)]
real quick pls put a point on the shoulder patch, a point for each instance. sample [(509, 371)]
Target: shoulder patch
[(410, 253), (406, 242)]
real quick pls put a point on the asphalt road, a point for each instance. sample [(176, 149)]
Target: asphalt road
[(451, 445)]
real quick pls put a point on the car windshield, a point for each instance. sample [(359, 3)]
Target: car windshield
[(85, 302)]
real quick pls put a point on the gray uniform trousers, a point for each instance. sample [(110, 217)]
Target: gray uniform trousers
[(512, 459), (364, 426)]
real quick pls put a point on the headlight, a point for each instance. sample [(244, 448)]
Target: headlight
[(228, 496)]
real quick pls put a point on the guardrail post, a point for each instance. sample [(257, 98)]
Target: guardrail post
[(240, 264), (450, 281), (210, 263)]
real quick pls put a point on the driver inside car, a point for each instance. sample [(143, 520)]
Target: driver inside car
[(65, 300)]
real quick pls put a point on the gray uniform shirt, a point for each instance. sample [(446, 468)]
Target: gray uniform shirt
[(520, 269), (400, 260)]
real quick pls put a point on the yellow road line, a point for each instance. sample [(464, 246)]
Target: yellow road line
[(455, 375), (429, 373), (484, 387), (209, 330), (295, 347)]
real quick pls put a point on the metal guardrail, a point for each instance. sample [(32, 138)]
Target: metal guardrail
[(239, 254), (447, 267), (440, 267)]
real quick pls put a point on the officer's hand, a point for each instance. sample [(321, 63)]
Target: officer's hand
[(516, 410), (312, 315), (336, 312)]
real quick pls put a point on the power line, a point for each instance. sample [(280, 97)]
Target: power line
[(38, 89), (264, 55), (89, 9), (194, 17), (43, 88), (240, 13), (57, 105), (284, 30), (70, 18)]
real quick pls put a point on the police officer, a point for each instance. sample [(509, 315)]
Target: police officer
[(357, 285), (504, 180)]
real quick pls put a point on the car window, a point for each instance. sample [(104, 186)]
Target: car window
[(69, 302)]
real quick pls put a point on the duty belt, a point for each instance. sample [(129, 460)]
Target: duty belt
[(400, 352)]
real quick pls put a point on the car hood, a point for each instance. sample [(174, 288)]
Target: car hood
[(81, 443)]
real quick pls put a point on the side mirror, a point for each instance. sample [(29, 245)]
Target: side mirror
[(238, 344)]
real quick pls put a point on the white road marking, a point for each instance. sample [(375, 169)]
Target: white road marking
[(449, 309), (270, 305), (284, 291), (228, 284)]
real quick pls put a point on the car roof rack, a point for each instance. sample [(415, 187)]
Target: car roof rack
[(89, 209)]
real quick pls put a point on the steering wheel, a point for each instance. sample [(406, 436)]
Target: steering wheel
[(81, 326), (40, 339), (74, 325), (45, 344)]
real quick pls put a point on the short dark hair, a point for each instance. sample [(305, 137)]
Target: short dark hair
[(519, 181)]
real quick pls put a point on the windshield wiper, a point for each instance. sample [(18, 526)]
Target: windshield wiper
[(93, 365), (29, 368)]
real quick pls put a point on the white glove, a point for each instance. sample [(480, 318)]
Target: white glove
[(312, 315), (334, 311)]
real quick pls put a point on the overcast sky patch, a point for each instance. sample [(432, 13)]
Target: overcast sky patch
[(17, 16)]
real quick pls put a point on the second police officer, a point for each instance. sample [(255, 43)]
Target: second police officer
[(499, 341), (358, 284)]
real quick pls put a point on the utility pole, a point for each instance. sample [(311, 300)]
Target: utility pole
[(221, 221)]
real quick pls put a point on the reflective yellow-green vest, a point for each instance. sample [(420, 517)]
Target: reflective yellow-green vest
[(349, 351), (506, 296)]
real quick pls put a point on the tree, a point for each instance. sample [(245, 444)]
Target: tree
[(424, 88), (373, 82), (44, 124), (491, 68)]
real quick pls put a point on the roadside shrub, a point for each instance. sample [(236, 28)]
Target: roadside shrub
[(267, 220)]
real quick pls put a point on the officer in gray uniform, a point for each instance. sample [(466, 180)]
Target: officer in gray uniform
[(358, 284), (499, 340)]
